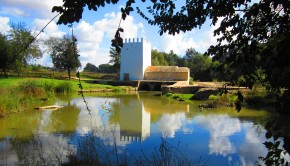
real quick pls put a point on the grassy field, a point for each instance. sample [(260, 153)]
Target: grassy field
[(12, 82)]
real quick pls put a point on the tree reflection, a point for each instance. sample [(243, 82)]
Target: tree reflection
[(40, 150), (277, 132)]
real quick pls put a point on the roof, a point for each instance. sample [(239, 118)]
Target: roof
[(157, 69)]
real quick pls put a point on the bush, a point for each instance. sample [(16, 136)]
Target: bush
[(191, 81), (30, 88), (27, 94), (225, 99)]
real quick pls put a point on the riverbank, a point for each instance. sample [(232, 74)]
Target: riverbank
[(17, 92), (258, 97)]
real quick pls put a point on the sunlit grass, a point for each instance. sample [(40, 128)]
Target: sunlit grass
[(73, 85), (180, 97)]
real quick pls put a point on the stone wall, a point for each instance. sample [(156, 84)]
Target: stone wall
[(166, 76), (181, 89)]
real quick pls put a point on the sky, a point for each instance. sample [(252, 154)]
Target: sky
[(95, 30)]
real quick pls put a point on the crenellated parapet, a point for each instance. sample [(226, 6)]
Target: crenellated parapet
[(133, 40)]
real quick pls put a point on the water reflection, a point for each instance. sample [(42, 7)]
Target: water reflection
[(131, 125)]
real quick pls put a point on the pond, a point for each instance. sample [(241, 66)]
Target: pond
[(133, 129)]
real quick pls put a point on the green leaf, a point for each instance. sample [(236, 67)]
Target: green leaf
[(268, 144), (268, 134), (130, 9), (57, 9)]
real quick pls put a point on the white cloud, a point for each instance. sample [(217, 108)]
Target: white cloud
[(13, 11), (94, 39), (198, 39), (4, 27), (178, 43), (51, 30), (29, 7)]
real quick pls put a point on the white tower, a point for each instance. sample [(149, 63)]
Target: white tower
[(135, 58)]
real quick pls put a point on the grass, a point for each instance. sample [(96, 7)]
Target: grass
[(31, 71), (179, 97), (7, 83)]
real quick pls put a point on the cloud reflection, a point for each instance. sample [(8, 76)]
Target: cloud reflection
[(220, 127), (170, 123)]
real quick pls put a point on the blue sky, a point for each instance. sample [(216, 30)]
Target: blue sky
[(96, 29)]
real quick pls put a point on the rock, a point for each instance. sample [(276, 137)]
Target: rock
[(209, 105)]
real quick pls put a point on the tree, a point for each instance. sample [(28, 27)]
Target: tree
[(5, 57), (64, 53), (276, 64), (106, 68), (200, 66), (171, 58), (91, 68), (158, 59), (115, 59), (22, 48)]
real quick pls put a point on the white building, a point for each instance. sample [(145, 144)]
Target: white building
[(135, 58), (136, 64)]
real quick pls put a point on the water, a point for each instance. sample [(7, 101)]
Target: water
[(139, 128)]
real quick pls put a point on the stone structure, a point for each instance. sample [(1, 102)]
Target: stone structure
[(167, 73)]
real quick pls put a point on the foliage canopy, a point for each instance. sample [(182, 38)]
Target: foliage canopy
[(17, 48), (64, 53)]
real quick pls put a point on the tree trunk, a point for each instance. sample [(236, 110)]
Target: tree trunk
[(68, 72), (5, 74)]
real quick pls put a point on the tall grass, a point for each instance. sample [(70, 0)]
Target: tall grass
[(64, 87)]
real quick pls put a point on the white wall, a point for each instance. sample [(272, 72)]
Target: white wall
[(135, 58), (146, 56)]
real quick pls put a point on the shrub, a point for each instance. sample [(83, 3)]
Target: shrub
[(29, 88), (225, 99), (191, 81)]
